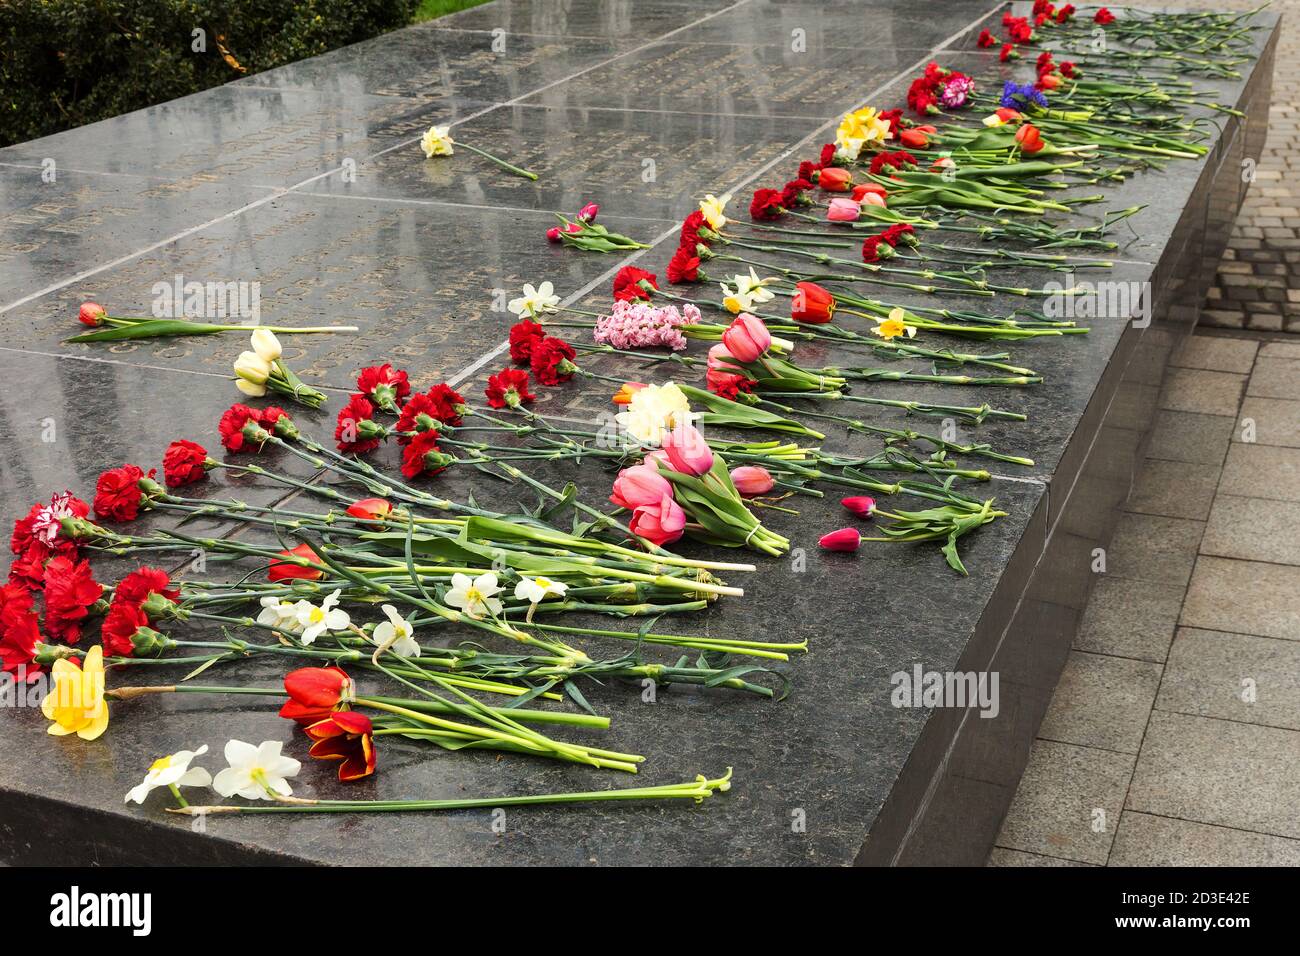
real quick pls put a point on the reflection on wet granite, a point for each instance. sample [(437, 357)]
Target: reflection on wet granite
[(635, 164), (633, 20)]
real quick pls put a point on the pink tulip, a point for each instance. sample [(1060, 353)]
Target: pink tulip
[(687, 451), (752, 480), (553, 234), (721, 360), (661, 523), (843, 210), (639, 485), (653, 459), (874, 199), (862, 506), (588, 212), (747, 337), (846, 539)]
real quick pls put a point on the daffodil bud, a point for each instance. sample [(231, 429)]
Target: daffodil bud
[(266, 344), (252, 368)]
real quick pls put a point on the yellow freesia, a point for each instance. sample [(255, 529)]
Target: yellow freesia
[(714, 210), (76, 702)]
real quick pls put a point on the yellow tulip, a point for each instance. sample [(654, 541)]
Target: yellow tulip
[(76, 702)]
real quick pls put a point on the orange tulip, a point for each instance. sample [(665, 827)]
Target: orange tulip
[(625, 392), (1030, 140)]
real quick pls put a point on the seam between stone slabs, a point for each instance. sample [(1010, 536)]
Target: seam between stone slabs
[(257, 203), (1226, 720), (454, 205), (1221, 826), (1041, 856)]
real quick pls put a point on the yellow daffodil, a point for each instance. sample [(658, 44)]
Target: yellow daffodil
[(76, 702), (714, 210), (437, 141), (859, 128), (734, 302), (893, 326)]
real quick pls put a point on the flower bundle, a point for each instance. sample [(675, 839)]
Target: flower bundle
[(262, 369), (583, 232)]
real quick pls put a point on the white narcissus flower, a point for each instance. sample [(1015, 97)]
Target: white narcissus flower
[(753, 287), (172, 771), (315, 621), (714, 210), (535, 301), (535, 590), (474, 596), (266, 345), (396, 633), (255, 772), (437, 141), (280, 614)]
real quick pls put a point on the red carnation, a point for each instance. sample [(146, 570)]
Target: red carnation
[(627, 284), (70, 590), (900, 232), (1103, 16), (118, 493), (19, 632), (727, 385), (827, 155), (1008, 52), (136, 587), (552, 361), (987, 39), (425, 411), (449, 402), (690, 234), (806, 170), (875, 248), (793, 193), (239, 426), (1069, 69), (384, 385), (766, 206), (897, 160), (894, 118), (1020, 30), (523, 336), (184, 462), (509, 387), (355, 431), (1065, 13), (22, 537), (422, 456), (684, 266), (121, 623)]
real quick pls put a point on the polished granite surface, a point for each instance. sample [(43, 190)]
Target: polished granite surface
[(309, 181)]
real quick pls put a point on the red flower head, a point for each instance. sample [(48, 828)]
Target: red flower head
[(1065, 13), (277, 421), (987, 39), (509, 387), (792, 194), (627, 284), (136, 587), (70, 590), (894, 118), (241, 429), (827, 155), (523, 336), (835, 179), (891, 162), (690, 234), (875, 248), (921, 96), (281, 570), (92, 314), (726, 384), (370, 509), (1008, 53), (1030, 140), (315, 693), (119, 493), (900, 232), (1020, 30), (1103, 16), (422, 456), (766, 206), (356, 432), (811, 304), (914, 138), (184, 462), (1044, 61), (384, 385), (122, 623), (19, 632), (807, 169), (440, 406), (1069, 69), (347, 736), (552, 361), (684, 266)]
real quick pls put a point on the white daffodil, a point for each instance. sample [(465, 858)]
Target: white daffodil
[(172, 771), (714, 210), (733, 301), (474, 595), (279, 613), (266, 345), (396, 633), (256, 772), (752, 286), (437, 141), (315, 621), (535, 590), (535, 301)]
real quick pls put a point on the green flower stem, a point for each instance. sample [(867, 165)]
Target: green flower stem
[(510, 167)]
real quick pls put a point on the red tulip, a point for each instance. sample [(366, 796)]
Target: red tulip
[(588, 212), (659, 524), (835, 179), (371, 509), (91, 313), (862, 189), (861, 505), (846, 539), (347, 736), (639, 485), (688, 451), (314, 693), (811, 304), (280, 570), (914, 138), (1030, 140)]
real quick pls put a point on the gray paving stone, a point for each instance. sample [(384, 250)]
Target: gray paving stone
[(1129, 618), (1174, 489), (1241, 677), (1249, 597), (1217, 354), (1102, 702), (1069, 802), (1221, 772), (1191, 437), (1154, 548), (1262, 471), (1276, 421), (1281, 350), (1198, 390), (1146, 840), (1000, 856), (1275, 378), (1254, 529)]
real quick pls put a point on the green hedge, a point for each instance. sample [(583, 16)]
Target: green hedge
[(68, 62)]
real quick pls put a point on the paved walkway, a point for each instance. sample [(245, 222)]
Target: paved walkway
[(1174, 734)]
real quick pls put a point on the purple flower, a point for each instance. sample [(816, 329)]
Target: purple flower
[(1016, 96)]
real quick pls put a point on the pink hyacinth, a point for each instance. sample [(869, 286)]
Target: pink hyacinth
[(638, 324)]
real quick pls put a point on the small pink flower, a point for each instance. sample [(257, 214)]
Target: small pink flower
[(843, 210), (862, 506), (846, 539), (661, 523), (638, 324), (751, 480), (639, 485), (688, 451), (874, 199), (588, 212), (747, 337)]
